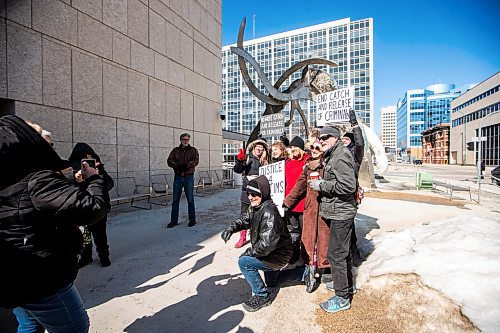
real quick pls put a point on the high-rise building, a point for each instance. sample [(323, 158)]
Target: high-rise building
[(388, 126), (469, 111), (420, 109), (345, 42)]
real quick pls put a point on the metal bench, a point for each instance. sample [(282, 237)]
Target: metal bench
[(204, 181), (450, 188), (126, 189), (160, 186), (225, 177), (423, 180)]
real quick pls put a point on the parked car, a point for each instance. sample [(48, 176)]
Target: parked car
[(496, 173), (417, 162)]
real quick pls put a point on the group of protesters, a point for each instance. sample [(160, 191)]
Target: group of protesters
[(315, 241)]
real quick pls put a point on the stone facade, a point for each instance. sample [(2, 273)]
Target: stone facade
[(127, 77)]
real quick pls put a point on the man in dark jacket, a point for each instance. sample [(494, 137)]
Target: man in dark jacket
[(183, 159), (271, 243), (40, 212), (338, 208)]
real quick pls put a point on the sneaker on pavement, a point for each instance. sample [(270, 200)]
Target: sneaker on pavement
[(191, 223), (255, 302), (336, 304), (172, 224), (329, 285)]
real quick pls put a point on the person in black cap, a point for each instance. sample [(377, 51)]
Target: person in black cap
[(271, 246), (40, 211), (338, 207)]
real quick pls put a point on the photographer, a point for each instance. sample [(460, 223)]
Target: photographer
[(40, 212)]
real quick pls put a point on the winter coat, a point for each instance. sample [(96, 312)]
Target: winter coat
[(270, 239), (183, 155), (293, 170), (40, 212), (357, 148), (314, 227), (339, 184), (249, 167)]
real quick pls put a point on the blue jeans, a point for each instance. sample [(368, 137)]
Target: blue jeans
[(250, 267), (188, 183), (60, 313)]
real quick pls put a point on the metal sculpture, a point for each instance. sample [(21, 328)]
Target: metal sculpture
[(313, 81)]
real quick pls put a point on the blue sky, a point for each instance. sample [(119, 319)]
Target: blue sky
[(415, 43)]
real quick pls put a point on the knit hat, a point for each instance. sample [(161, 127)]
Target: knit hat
[(297, 142), (333, 131), (259, 186), (350, 136)]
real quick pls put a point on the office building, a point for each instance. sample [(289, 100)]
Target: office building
[(479, 106), (345, 42), (388, 127), (126, 77), (421, 109)]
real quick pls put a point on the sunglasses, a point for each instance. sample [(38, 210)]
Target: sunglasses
[(253, 195), (316, 148), (325, 137)]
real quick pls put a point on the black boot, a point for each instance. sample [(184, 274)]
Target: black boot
[(105, 262)]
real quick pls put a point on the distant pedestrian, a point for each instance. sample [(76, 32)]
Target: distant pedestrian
[(183, 159), (271, 246), (338, 207), (248, 163)]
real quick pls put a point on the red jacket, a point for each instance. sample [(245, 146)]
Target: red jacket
[(293, 170)]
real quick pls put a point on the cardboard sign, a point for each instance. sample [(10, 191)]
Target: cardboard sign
[(334, 106), (275, 173), (272, 125)]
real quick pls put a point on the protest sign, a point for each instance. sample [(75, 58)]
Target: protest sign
[(272, 124), (334, 106), (275, 173)]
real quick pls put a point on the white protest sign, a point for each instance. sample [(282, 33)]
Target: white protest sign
[(334, 106), (275, 173), (272, 125)]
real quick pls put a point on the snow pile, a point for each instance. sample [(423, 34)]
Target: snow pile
[(456, 256)]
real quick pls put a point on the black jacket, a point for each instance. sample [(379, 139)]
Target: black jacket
[(40, 212), (357, 148), (270, 239)]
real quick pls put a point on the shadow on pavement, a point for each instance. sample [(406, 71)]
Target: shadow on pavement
[(203, 312), (364, 224)]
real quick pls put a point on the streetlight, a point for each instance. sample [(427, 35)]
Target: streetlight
[(479, 156)]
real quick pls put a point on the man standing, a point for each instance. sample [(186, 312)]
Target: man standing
[(183, 160), (338, 208)]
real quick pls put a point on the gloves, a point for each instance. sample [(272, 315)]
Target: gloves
[(315, 184), (225, 235), (248, 252), (352, 118), (241, 155), (284, 139)]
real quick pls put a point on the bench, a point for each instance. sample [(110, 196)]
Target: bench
[(205, 181), (423, 180), (160, 186), (127, 189), (225, 177), (451, 188)]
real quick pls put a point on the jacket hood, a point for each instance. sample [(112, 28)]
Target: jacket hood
[(260, 185), (260, 141), (79, 152), (24, 151)]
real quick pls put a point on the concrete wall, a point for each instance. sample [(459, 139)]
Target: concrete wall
[(125, 76)]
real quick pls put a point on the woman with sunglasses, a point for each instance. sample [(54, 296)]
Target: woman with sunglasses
[(315, 231)]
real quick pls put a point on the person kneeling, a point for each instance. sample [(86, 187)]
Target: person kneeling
[(271, 244)]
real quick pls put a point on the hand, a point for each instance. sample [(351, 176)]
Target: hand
[(183, 167), (316, 184), (285, 208), (241, 155), (87, 171), (352, 118), (79, 176), (225, 235)]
